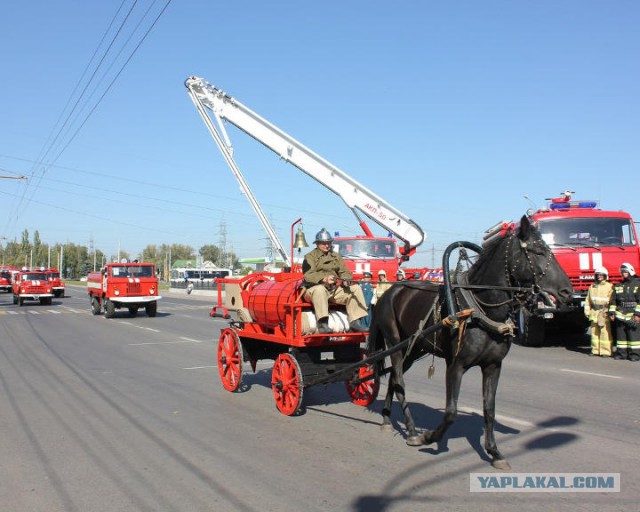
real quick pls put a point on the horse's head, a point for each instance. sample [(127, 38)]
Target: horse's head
[(530, 262)]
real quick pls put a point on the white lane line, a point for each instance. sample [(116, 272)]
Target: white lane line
[(54, 311), (34, 312), (191, 339), (158, 343), (591, 373), (500, 417), (259, 363)]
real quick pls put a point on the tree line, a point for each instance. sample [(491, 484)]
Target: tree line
[(75, 261)]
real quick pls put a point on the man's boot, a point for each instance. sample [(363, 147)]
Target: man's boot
[(323, 325), (356, 326)]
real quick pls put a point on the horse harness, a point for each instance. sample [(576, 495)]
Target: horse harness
[(478, 307)]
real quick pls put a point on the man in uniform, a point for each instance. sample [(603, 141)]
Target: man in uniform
[(624, 311), (596, 309), (322, 269)]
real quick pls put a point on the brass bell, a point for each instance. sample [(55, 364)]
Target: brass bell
[(300, 240)]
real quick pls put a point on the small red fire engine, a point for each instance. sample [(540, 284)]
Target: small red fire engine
[(53, 275), (5, 278), (32, 284), (124, 285)]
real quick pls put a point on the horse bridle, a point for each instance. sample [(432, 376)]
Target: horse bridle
[(520, 293)]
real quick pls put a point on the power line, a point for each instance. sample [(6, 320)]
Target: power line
[(51, 162)]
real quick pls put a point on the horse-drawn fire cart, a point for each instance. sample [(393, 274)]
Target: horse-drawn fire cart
[(275, 322)]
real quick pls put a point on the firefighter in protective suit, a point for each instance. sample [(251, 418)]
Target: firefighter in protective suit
[(596, 309), (322, 269), (624, 311)]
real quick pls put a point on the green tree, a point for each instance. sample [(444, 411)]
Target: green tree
[(211, 253)]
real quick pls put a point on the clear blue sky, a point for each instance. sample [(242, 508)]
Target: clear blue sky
[(451, 111)]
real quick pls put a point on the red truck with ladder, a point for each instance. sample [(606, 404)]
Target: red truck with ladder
[(582, 237), (32, 284), (124, 285), (362, 253)]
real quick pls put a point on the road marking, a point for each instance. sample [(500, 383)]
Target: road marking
[(34, 312), (191, 339), (158, 343), (53, 311), (200, 367), (499, 417), (591, 373)]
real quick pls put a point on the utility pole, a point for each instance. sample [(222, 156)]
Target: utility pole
[(223, 243)]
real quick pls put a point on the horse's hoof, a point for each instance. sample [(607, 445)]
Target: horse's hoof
[(501, 464), (386, 428), (427, 437), (414, 440)]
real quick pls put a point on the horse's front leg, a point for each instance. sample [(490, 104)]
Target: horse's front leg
[(455, 371), (397, 387), (490, 378)]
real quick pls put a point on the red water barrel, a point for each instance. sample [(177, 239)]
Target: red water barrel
[(266, 300)]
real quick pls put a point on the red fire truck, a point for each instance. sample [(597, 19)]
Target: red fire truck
[(582, 237), (32, 284), (124, 285), (6, 273), (53, 275)]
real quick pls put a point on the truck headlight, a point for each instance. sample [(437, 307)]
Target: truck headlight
[(117, 292), (152, 291)]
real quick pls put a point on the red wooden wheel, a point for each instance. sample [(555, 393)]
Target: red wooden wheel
[(286, 383), (364, 392), (230, 359)]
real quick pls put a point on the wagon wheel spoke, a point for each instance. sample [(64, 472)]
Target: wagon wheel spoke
[(363, 389)]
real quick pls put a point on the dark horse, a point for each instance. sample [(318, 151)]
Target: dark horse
[(508, 271)]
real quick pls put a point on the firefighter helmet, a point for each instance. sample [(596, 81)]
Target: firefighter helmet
[(382, 272), (323, 236), (628, 267), (603, 271)]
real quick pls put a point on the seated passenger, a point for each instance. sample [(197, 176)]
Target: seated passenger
[(322, 268)]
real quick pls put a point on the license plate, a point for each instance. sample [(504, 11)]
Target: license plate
[(548, 315)]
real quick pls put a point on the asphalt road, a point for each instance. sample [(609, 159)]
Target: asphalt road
[(128, 414)]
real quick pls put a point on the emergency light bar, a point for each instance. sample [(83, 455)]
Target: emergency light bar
[(573, 204)]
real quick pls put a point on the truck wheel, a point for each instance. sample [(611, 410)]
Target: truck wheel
[(20, 301), (109, 309), (45, 301), (151, 308), (532, 329), (15, 298), (96, 308)]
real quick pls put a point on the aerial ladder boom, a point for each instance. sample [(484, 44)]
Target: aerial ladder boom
[(356, 196)]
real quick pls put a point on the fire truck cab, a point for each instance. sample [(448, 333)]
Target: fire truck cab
[(582, 237), (6, 278), (32, 284), (53, 275), (124, 285)]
